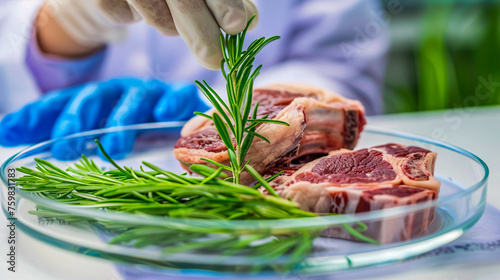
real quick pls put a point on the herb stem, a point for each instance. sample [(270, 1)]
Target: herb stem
[(238, 70)]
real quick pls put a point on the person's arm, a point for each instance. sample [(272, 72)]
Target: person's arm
[(54, 40), (55, 58), (340, 47), (19, 84), (70, 33), (26, 66)]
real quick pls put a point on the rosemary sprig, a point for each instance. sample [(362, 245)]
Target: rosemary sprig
[(236, 121), (159, 192)]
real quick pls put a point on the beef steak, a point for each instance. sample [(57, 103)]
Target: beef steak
[(347, 182)]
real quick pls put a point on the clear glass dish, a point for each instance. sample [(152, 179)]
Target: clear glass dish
[(461, 203)]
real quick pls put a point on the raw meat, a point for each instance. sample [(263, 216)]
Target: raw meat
[(332, 121), (206, 143), (347, 182), (319, 123)]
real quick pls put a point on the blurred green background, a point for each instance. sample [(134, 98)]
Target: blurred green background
[(444, 54)]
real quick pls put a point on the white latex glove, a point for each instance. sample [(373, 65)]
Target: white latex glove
[(96, 22)]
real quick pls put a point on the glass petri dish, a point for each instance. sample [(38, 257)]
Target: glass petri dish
[(461, 203)]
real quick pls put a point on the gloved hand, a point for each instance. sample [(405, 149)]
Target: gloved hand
[(96, 22), (96, 105)]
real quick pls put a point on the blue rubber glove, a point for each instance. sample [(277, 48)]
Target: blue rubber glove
[(96, 105)]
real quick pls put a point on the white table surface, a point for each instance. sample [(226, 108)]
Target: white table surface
[(475, 129)]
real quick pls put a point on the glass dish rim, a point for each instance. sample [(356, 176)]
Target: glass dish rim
[(250, 224)]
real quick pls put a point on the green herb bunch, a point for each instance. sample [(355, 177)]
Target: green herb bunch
[(157, 192), (236, 121)]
